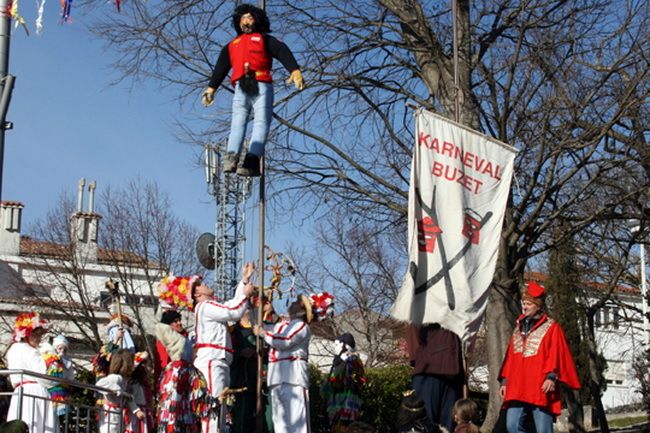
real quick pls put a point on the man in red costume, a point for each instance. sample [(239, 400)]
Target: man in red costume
[(538, 357), (250, 55)]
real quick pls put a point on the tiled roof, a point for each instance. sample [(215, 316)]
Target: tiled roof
[(541, 278), (33, 248)]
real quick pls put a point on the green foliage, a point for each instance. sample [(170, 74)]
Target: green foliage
[(563, 285), (317, 406), (381, 397), (630, 421)]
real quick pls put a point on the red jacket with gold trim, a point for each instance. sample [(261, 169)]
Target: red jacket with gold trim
[(531, 358)]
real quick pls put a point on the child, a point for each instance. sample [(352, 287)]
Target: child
[(464, 415), (342, 388), (412, 416), (139, 388), (119, 372)]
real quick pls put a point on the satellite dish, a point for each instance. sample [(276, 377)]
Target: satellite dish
[(205, 250)]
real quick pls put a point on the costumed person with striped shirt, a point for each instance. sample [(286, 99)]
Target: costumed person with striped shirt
[(342, 387), (288, 372), (538, 357), (23, 354), (183, 397), (213, 344)]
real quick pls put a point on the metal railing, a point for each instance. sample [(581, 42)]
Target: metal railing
[(78, 412)]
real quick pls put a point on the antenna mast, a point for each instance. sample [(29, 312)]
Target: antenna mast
[(230, 194)]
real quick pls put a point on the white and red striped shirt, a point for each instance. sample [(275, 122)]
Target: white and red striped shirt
[(211, 326), (289, 341)]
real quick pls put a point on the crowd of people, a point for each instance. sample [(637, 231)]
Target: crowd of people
[(205, 380)]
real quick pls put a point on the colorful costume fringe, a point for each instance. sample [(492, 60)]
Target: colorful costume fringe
[(184, 399), (341, 390), (55, 368), (102, 360)]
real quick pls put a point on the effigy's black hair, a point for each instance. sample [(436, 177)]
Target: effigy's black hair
[(262, 24)]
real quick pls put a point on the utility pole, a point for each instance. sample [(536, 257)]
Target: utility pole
[(6, 81), (635, 227)]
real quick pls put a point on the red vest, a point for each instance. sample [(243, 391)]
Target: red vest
[(250, 48)]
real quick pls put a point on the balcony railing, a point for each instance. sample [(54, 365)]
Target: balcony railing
[(79, 412)]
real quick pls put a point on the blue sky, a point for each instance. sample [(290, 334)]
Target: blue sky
[(70, 122)]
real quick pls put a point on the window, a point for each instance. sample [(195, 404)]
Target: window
[(106, 299)]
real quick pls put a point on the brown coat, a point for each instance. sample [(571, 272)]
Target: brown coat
[(434, 350)]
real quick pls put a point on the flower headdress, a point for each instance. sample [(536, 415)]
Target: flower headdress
[(139, 358), (322, 305), (26, 323), (176, 292)]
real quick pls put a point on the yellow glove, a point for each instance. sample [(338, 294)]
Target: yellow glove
[(208, 97), (296, 79)]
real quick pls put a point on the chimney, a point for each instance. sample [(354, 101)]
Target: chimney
[(85, 225), (10, 218)]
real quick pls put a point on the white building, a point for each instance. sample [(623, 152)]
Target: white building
[(66, 281), (619, 335)]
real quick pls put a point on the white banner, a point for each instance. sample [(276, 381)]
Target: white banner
[(460, 181)]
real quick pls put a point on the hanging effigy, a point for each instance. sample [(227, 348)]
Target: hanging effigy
[(66, 9)]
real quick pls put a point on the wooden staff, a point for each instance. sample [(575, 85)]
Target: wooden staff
[(114, 289)]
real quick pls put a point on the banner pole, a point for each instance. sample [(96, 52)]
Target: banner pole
[(454, 19)]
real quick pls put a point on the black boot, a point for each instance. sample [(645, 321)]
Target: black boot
[(250, 167), (230, 162)]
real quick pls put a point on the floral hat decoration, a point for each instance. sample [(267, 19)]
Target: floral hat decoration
[(26, 323), (322, 305), (176, 292), (139, 358)]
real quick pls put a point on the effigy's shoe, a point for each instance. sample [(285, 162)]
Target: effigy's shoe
[(250, 167), (230, 162)]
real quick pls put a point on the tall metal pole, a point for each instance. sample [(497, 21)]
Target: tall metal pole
[(259, 413), (259, 417), (454, 26), (454, 19), (6, 83), (635, 227), (644, 297)]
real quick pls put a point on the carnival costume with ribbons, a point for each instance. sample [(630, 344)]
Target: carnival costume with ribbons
[(183, 394), (342, 387), (36, 410)]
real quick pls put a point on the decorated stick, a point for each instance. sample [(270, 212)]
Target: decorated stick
[(114, 289)]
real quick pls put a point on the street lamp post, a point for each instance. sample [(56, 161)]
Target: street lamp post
[(644, 289), (644, 295), (6, 80)]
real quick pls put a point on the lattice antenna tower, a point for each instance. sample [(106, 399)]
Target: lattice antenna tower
[(230, 193)]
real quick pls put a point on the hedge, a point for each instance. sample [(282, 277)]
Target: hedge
[(381, 397)]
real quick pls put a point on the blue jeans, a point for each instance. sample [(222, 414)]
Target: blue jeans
[(262, 107), (438, 394), (515, 419)]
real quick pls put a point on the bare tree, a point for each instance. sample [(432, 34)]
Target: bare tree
[(360, 271), (140, 240), (564, 82)]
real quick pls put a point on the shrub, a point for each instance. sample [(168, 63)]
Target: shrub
[(381, 397)]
